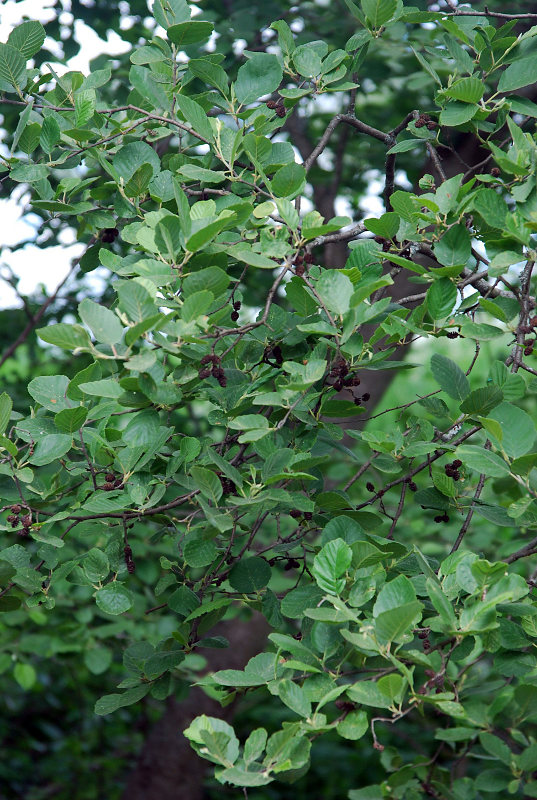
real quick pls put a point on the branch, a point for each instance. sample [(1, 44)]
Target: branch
[(39, 314), (477, 495)]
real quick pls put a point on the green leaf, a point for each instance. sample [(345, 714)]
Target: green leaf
[(195, 173), (114, 598), (457, 114), (50, 391), (297, 600), (71, 419), (331, 564), (210, 73), (262, 74), (135, 300), (479, 330), (199, 552), (185, 33), (170, 12), (6, 406), (98, 659), (208, 483), (27, 38), (131, 156), (335, 289), (294, 697), (450, 377), (144, 83), (482, 401), (467, 90), (105, 388), (387, 225), (289, 181), (84, 106), (307, 58), (250, 575), (195, 115), (49, 448), (202, 237), (518, 74), (12, 66), (378, 12), (68, 337), (168, 237), (394, 594), (25, 675), (353, 726), (391, 625), (139, 182), (443, 606), (454, 248), (111, 702), (492, 208), (21, 125), (441, 297), (517, 427), (103, 323), (96, 565)]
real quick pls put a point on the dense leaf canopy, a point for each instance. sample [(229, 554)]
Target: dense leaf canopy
[(212, 437)]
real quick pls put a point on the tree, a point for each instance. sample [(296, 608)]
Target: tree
[(178, 470)]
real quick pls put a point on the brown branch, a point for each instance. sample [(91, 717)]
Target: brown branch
[(466, 524)]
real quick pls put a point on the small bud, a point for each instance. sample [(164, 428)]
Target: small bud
[(412, 486), (369, 486)]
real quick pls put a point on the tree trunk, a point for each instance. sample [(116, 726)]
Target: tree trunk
[(168, 768)]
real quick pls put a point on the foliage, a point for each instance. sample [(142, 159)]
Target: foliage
[(201, 450)]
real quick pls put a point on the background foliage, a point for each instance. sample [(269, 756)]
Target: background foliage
[(211, 451)]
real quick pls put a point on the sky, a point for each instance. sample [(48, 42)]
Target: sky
[(35, 265)]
